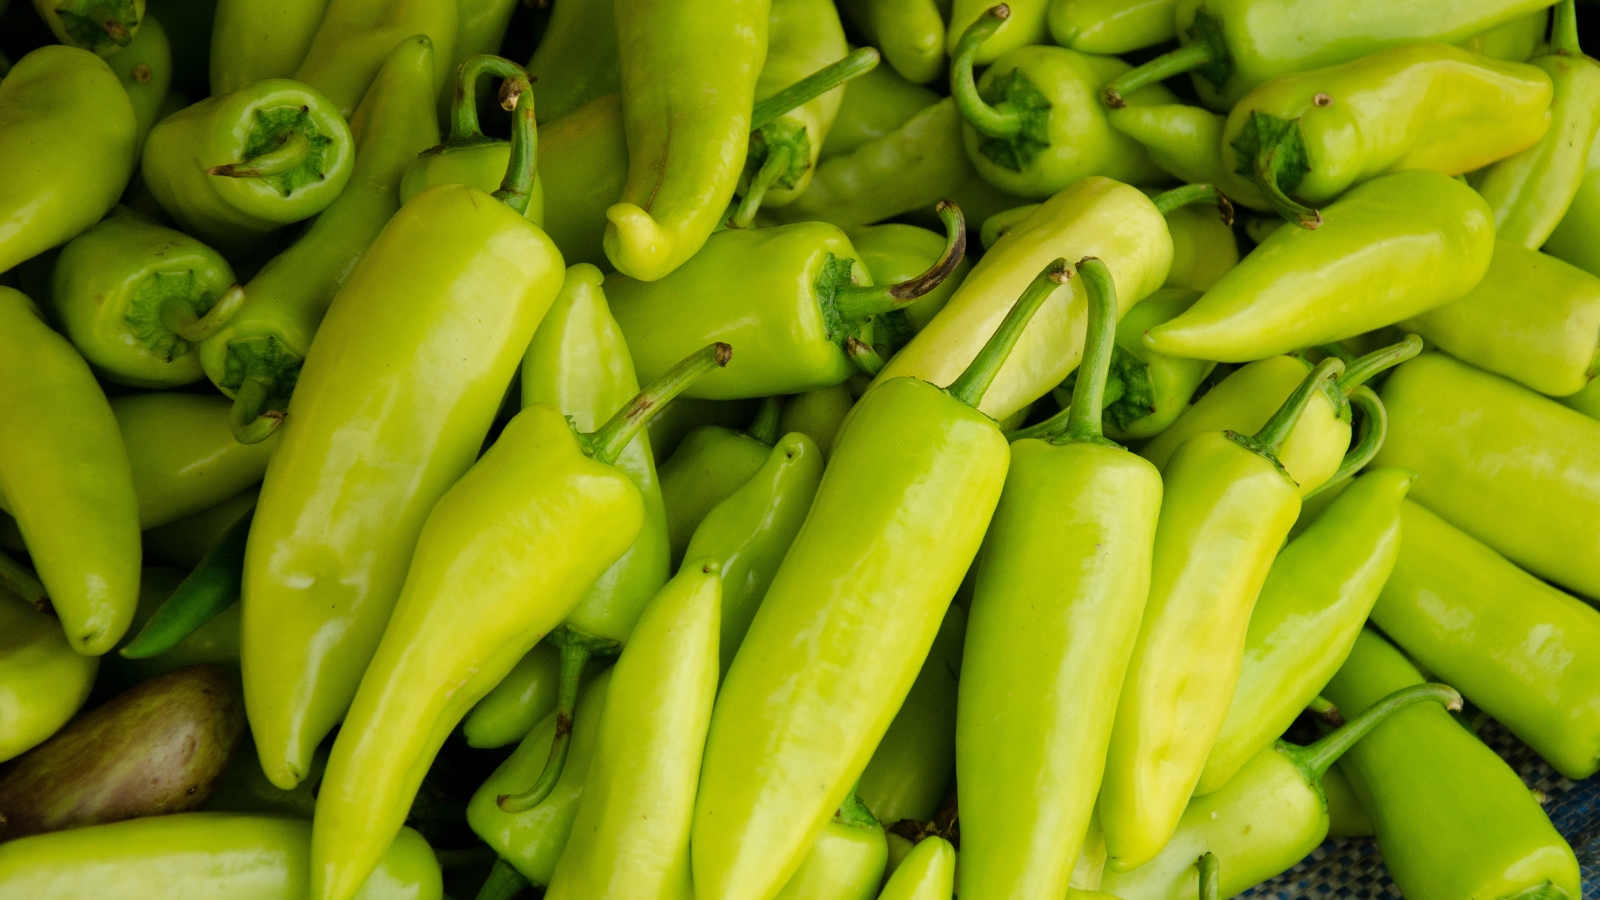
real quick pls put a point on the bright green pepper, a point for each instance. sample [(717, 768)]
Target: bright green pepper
[(1227, 506), (67, 133), (1231, 46), (630, 836), (1082, 509), (1530, 192), (910, 33), (1515, 41), (241, 857), (846, 861), (253, 41), (1395, 247), (1315, 134), (1204, 247), (817, 414), (1452, 819), (1032, 124), (1024, 24), (480, 29), (927, 873), (1186, 141), (520, 701), (1315, 599), (1111, 27), (185, 541), (103, 26), (896, 253), (356, 36), (46, 682), (1511, 468), (233, 168), (576, 60), (388, 418), (1268, 817), (145, 70), (1517, 647), (1577, 238), (669, 427), (1533, 318), (256, 358), (65, 476), (707, 467), (684, 156), (875, 104), (184, 458)]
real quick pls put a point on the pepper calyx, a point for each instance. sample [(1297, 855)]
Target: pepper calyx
[(101, 26), (1272, 153), (261, 372)]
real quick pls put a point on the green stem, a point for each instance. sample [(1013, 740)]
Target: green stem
[(1315, 760), (1374, 428), (605, 443), (1359, 371), (1323, 709), (504, 882), (854, 64), (1267, 179), (764, 427), (289, 155), (1564, 29), (970, 386), (1195, 193), (1269, 440), (516, 189), (16, 578), (1084, 416), (464, 125), (857, 303), (177, 315), (862, 354), (772, 168), (1210, 876), (212, 587), (855, 813), (577, 649), (1176, 62), (249, 420), (984, 118)]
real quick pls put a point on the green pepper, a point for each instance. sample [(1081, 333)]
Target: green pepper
[(583, 163), (1530, 192), (847, 860), (1082, 509), (1346, 818), (1586, 401), (1186, 141), (1023, 24), (253, 41), (707, 467), (684, 157), (67, 133), (1533, 318), (525, 696), (136, 298), (184, 542), (215, 641), (630, 836), (1517, 647), (1513, 469), (241, 857), (46, 682), (1577, 238), (65, 476), (1269, 816), (1307, 137), (1515, 41), (927, 873), (818, 414), (388, 418), (1097, 217), (895, 253), (1110, 27), (209, 590), (897, 520), (1452, 819), (910, 33), (1204, 247), (256, 358), (233, 168), (480, 29), (875, 104), (668, 429), (1032, 124), (145, 69), (183, 457), (1312, 605), (1392, 248), (356, 36), (1231, 46), (1227, 506), (576, 60), (103, 26)]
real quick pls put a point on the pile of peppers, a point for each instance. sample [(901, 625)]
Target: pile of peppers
[(794, 449)]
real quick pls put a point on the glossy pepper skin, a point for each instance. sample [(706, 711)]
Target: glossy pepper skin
[(136, 298), (1268, 817), (1082, 509), (1227, 506), (911, 34), (390, 414), (256, 357), (67, 133), (847, 860), (1307, 137), (65, 476), (1186, 141), (182, 455), (874, 104), (356, 36), (242, 857), (102, 26), (1097, 217), (576, 60), (520, 701), (1204, 247), (252, 42), (1032, 124), (818, 415), (1024, 25), (1577, 238), (1512, 642), (709, 465), (145, 69), (895, 252), (1316, 597), (481, 27), (1533, 319), (46, 681), (927, 873), (583, 164), (1394, 247), (687, 115), (1110, 26), (233, 168), (205, 593), (1452, 819), (1487, 452)]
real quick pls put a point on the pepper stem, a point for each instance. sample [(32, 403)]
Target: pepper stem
[(854, 64), (985, 119), (504, 882), (516, 190), (1210, 876), (1266, 165), (857, 303), (1323, 709), (212, 587), (1360, 370), (1175, 62), (861, 353), (1083, 424), (855, 813), (1194, 193), (1269, 440), (606, 443), (16, 578), (1314, 761), (1374, 428), (1564, 29), (464, 126), (970, 386), (577, 649), (249, 419), (764, 427), (177, 315), (289, 155), (772, 168)]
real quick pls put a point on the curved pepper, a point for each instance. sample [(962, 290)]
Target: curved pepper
[(875, 104), (65, 476), (688, 118), (1032, 124), (817, 414), (1511, 468), (136, 298), (67, 133), (1452, 819), (1517, 647), (206, 592), (1186, 141), (1111, 27), (253, 41), (1533, 318), (241, 857), (1315, 599), (184, 458), (1023, 24), (1268, 817), (231, 169), (1586, 401), (103, 26), (847, 860), (576, 60), (145, 69), (256, 358), (910, 33), (1395, 247), (927, 873), (912, 765), (519, 702), (896, 253), (356, 36), (46, 682), (1083, 509), (1346, 818), (214, 641), (707, 467), (389, 418)]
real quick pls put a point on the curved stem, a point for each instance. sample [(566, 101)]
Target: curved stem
[(1315, 759), (1083, 422), (177, 315), (286, 157), (1210, 876), (16, 578), (504, 882), (605, 443), (857, 303), (772, 168), (764, 427), (1374, 428), (970, 386), (1176, 62), (210, 588), (854, 64), (249, 420), (1323, 709), (1359, 371), (464, 126), (1054, 425), (1269, 440), (1564, 29), (984, 118), (862, 354), (1267, 179), (577, 649), (1195, 193), (516, 189)]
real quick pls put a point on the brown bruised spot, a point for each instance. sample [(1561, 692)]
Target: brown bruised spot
[(141, 73), (723, 353), (1322, 100), (116, 31)]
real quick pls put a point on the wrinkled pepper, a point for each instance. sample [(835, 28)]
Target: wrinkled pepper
[(1110, 26), (356, 36), (576, 60), (46, 682), (184, 458), (253, 41)]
